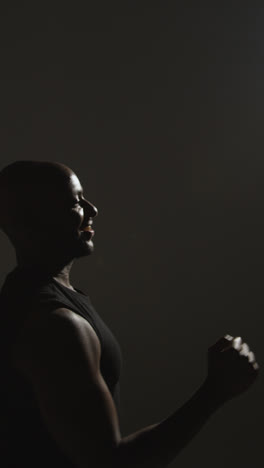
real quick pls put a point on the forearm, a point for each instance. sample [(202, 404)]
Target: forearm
[(157, 445)]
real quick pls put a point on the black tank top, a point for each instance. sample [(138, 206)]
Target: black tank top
[(25, 441)]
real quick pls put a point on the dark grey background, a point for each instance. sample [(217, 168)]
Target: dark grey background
[(159, 111)]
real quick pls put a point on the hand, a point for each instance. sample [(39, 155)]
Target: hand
[(232, 369)]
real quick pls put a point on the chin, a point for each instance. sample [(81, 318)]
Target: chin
[(84, 248)]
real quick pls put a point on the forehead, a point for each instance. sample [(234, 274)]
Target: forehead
[(75, 184), (56, 190)]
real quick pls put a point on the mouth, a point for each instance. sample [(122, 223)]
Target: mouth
[(87, 232)]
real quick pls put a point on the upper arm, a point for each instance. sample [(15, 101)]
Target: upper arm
[(61, 359)]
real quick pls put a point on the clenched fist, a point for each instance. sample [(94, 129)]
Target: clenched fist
[(232, 368)]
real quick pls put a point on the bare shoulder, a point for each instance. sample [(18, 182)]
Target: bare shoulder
[(51, 330), (59, 354)]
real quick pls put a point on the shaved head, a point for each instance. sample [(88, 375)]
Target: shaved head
[(25, 185), (44, 213)]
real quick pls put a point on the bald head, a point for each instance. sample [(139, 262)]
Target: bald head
[(26, 189)]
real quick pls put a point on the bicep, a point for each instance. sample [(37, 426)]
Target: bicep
[(62, 363)]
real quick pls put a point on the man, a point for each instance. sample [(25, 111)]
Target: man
[(60, 362)]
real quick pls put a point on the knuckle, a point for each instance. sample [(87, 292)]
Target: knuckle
[(238, 338), (243, 356), (245, 349), (237, 342), (251, 356), (229, 337)]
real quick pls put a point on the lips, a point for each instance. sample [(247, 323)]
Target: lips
[(88, 228), (87, 233)]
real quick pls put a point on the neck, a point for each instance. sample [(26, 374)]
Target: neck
[(59, 269)]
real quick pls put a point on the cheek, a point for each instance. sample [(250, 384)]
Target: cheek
[(75, 218), (57, 217), (59, 222)]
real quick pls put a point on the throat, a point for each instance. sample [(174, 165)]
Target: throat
[(68, 286)]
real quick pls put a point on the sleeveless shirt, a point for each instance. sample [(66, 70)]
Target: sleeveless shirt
[(25, 440)]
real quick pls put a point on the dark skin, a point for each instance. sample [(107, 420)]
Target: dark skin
[(54, 243), (73, 397)]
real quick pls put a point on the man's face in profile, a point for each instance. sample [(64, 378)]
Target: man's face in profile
[(55, 212)]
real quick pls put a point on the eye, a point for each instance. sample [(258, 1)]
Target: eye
[(77, 202), (74, 203)]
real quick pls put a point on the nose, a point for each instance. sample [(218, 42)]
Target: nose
[(92, 210)]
